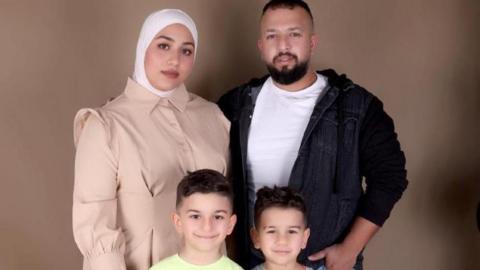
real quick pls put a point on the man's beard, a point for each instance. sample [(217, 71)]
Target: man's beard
[(286, 76)]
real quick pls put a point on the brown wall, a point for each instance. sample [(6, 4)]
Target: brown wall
[(420, 57)]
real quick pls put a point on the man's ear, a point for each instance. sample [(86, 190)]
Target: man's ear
[(259, 45), (177, 222), (306, 235), (313, 42), (254, 237), (231, 223)]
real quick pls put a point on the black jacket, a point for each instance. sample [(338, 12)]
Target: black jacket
[(349, 136)]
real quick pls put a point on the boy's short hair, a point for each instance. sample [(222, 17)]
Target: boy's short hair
[(290, 4), (281, 197), (204, 181)]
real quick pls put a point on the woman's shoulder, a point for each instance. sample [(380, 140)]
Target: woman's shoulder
[(95, 118), (199, 103)]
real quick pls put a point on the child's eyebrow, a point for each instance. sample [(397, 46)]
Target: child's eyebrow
[(221, 211), (193, 210)]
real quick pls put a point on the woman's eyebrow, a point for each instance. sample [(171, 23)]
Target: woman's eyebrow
[(173, 40), (165, 37)]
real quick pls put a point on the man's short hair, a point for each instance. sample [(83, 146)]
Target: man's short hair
[(204, 181), (290, 4), (280, 197)]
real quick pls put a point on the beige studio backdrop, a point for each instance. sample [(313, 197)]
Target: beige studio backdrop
[(421, 57)]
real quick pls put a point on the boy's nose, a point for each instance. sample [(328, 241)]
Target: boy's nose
[(281, 239), (207, 224)]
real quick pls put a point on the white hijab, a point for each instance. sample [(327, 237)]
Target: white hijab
[(153, 24)]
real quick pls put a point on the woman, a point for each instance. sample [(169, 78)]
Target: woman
[(132, 152)]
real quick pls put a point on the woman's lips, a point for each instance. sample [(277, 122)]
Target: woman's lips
[(172, 74)]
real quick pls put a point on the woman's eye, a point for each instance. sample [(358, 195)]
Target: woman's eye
[(163, 46), (187, 52)]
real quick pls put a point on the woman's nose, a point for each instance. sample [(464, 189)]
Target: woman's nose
[(173, 59)]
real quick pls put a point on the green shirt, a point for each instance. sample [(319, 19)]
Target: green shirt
[(176, 263)]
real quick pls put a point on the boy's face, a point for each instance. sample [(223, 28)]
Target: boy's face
[(204, 220), (281, 235)]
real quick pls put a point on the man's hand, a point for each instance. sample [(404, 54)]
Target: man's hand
[(344, 255), (337, 257)]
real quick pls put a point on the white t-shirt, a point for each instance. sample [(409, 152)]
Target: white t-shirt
[(276, 131)]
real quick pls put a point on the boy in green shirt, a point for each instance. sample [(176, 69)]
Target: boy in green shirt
[(203, 218)]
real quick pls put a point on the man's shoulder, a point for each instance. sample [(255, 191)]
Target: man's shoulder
[(233, 100), (242, 88), (351, 92)]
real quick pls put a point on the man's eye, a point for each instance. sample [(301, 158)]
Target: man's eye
[(295, 34), (187, 52), (271, 36), (219, 217), (292, 231), (270, 231), (195, 216), (163, 46)]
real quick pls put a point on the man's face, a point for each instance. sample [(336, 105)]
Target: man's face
[(204, 220), (286, 43)]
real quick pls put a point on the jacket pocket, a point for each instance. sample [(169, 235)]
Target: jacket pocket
[(350, 127)]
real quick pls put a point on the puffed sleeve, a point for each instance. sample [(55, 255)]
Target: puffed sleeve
[(95, 227)]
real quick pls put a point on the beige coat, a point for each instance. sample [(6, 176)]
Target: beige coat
[(130, 156)]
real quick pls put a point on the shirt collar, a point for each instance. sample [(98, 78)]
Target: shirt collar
[(178, 99)]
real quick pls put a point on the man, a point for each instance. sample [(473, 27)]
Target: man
[(317, 132)]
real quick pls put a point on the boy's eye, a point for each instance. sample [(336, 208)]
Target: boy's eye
[(194, 216), (187, 52), (292, 231), (163, 46), (270, 231), (219, 217)]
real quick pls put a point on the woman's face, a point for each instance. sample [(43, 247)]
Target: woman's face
[(169, 57)]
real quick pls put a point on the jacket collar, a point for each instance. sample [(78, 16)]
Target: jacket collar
[(178, 99)]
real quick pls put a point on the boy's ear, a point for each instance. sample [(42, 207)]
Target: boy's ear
[(254, 237), (232, 222), (177, 222), (306, 235)]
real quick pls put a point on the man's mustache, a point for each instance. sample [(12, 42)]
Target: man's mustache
[(285, 54)]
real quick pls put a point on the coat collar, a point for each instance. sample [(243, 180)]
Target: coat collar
[(178, 99)]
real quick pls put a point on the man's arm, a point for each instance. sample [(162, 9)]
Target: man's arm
[(382, 162), (344, 255)]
